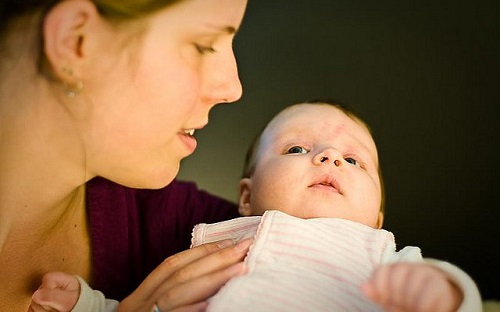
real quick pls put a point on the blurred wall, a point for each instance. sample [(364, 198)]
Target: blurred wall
[(424, 74)]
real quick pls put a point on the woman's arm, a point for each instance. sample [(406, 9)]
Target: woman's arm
[(184, 280)]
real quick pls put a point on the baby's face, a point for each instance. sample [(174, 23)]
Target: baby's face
[(315, 161)]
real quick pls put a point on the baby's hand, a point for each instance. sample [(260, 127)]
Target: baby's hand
[(58, 292), (405, 287)]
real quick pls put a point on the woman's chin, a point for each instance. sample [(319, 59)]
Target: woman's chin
[(162, 179), (152, 180)]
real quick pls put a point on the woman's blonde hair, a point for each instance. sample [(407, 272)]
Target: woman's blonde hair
[(112, 9), (23, 19)]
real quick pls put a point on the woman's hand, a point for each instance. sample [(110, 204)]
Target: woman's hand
[(185, 280), (405, 287)]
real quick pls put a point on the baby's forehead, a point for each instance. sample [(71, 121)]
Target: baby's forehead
[(324, 122), (310, 117)]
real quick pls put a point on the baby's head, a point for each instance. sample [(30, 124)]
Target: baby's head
[(315, 159)]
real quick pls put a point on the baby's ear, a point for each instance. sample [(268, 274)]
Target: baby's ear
[(245, 208)]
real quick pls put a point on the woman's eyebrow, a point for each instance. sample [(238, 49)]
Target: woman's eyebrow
[(224, 29)]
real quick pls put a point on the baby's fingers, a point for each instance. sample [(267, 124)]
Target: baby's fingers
[(55, 299), (61, 280), (388, 285), (412, 287)]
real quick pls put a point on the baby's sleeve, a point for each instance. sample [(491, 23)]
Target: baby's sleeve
[(92, 300), (472, 298)]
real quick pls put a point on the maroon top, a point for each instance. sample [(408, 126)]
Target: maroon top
[(132, 230)]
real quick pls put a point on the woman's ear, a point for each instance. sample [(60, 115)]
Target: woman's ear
[(380, 220), (245, 208), (66, 31)]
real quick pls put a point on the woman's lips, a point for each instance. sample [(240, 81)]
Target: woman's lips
[(188, 140)]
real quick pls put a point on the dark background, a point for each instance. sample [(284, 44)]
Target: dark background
[(424, 75)]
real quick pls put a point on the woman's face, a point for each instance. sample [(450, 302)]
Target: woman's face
[(146, 101)]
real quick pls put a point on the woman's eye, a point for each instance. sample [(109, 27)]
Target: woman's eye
[(296, 150), (352, 161), (204, 49)]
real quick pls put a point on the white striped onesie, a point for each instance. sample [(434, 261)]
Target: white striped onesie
[(310, 264)]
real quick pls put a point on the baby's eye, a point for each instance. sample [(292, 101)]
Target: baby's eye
[(296, 150), (352, 161)]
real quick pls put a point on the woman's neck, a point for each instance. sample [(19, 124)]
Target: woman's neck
[(28, 221), (43, 220), (56, 242), (42, 162), (43, 225)]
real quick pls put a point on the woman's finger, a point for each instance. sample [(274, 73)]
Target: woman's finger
[(202, 278), (210, 263), (175, 262), (199, 289), (198, 307), (192, 275)]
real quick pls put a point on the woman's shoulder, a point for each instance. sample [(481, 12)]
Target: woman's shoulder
[(179, 197), (132, 230), (100, 189)]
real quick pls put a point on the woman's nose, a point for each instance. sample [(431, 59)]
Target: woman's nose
[(224, 84), (328, 156)]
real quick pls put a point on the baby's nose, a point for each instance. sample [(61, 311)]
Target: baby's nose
[(327, 156)]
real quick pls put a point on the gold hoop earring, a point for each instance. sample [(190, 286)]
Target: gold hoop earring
[(74, 90), (71, 90)]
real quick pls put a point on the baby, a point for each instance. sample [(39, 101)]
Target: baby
[(312, 200), (314, 175)]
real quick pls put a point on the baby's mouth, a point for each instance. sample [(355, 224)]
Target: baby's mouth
[(328, 182)]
